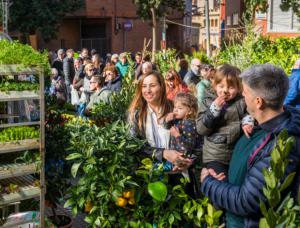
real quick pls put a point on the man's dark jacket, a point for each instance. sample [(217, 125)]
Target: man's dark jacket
[(244, 200)]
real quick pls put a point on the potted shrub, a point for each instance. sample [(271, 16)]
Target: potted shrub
[(56, 169)]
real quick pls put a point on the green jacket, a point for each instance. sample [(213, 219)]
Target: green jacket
[(220, 132), (201, 87), (102, 95), (122, 69)]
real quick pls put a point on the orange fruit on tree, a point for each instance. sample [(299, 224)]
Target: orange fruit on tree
[(128, 194), (88, 206), (131, 201), (121, 202)]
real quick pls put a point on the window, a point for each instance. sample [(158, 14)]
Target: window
[(212, 24), (228, 20), (235, 19), (216, 23), (282, 21)]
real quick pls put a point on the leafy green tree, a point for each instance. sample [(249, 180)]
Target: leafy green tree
[(254, 5), (30, 16), (155, 10), (262, 5), (291, 4)]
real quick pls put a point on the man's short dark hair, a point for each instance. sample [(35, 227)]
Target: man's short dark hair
[(268, 82)]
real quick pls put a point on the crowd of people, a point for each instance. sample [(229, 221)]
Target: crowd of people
[(232, 117)]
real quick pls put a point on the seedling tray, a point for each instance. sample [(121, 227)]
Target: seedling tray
[(18, 95), (27, 190), (15, 170), (27, 144)]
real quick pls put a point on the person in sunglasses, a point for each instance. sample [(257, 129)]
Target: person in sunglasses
[(100, 93), (174, 84), (113, 81)]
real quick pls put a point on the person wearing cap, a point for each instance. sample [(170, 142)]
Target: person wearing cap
[(293, 96), (58, 62), (114, 59), (122, 66)]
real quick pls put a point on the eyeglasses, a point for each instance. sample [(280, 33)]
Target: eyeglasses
[(197, 65), (90, 70), (110, 73), (91, 82), (170, 78)]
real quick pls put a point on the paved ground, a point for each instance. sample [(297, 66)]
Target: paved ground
[(78, 222)]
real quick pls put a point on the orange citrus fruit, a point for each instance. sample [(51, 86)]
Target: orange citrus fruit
[(128, 194), (131, 201), (88, 206), (121, 202)]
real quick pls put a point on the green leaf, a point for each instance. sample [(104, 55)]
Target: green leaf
[(200, 212), (158, 191), (209, 220), (68, 203), (176, 215), (186, 207), (275, 155), (210, 210), (217, 214), (89, 219), (263, 223), (102, 193), (287, 181), (147, 162), (75, 168), (73, 156), (148, 225), (133, 224), (171, 219), (74, 210), (98, 222), (270, 179), (263, 208)]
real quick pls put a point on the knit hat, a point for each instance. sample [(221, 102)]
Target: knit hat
[(114, 56)]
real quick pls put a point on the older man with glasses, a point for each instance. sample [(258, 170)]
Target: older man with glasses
[(193, 75), (100, 92)]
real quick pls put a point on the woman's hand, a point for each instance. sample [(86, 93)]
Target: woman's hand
[(178, 159), (172, 155)]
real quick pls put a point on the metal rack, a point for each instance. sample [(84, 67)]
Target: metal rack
[(21, 174)]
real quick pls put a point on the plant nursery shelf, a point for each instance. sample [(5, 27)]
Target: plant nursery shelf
[(20, 124), (27, 190), (27, 144), (18, 95), (16, 170)]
